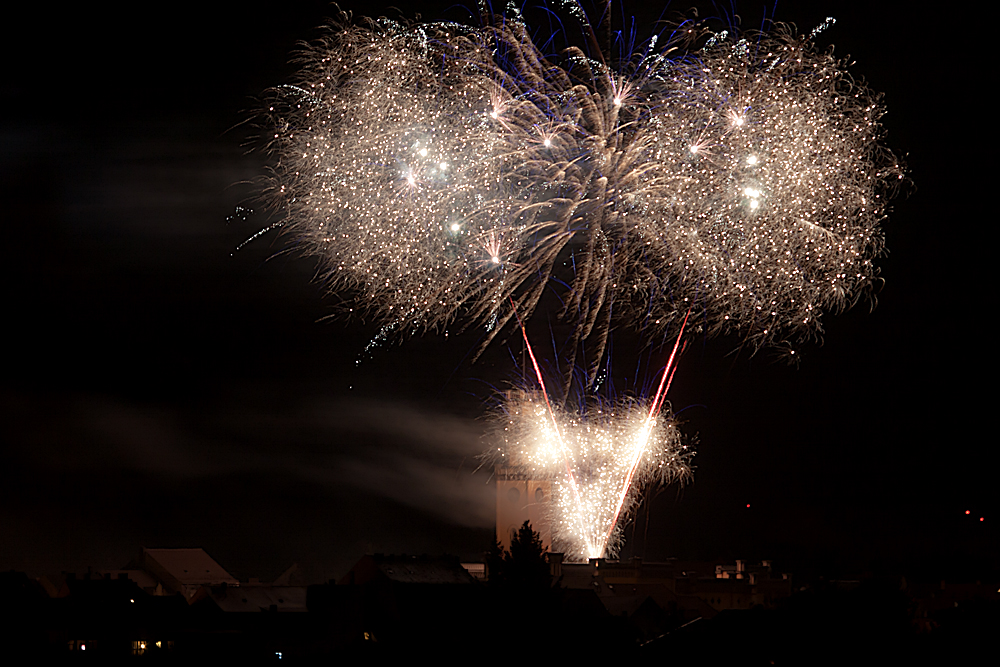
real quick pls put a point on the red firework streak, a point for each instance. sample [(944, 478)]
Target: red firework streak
[(654, 409), (555, 423)]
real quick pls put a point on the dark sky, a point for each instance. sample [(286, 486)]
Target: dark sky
[(162, 390)]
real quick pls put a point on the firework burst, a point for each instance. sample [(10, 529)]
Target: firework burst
[(744, 179)]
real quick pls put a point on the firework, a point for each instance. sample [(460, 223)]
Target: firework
[(448, 174), (445, 173), (596, 457), (611, 451)]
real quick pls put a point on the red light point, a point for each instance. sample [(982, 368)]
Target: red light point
[(968, 512), (982, 518), (748, 505)]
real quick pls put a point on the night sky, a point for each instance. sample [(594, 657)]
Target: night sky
[(162, 389)]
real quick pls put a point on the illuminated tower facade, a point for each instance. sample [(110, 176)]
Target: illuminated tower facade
[(519, 500)]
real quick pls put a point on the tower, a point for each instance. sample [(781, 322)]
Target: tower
[(519, 500)]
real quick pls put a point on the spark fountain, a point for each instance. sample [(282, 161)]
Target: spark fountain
[(598, 457)]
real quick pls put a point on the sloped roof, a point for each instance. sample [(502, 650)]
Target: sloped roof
[(259, 598), (190, 567), (408, 570)]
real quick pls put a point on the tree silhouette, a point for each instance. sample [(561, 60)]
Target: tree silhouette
[(524, 565)]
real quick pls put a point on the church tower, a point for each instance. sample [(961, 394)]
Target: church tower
[(519, 500)]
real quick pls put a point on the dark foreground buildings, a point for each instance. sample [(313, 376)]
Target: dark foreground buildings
[(179, 605)]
